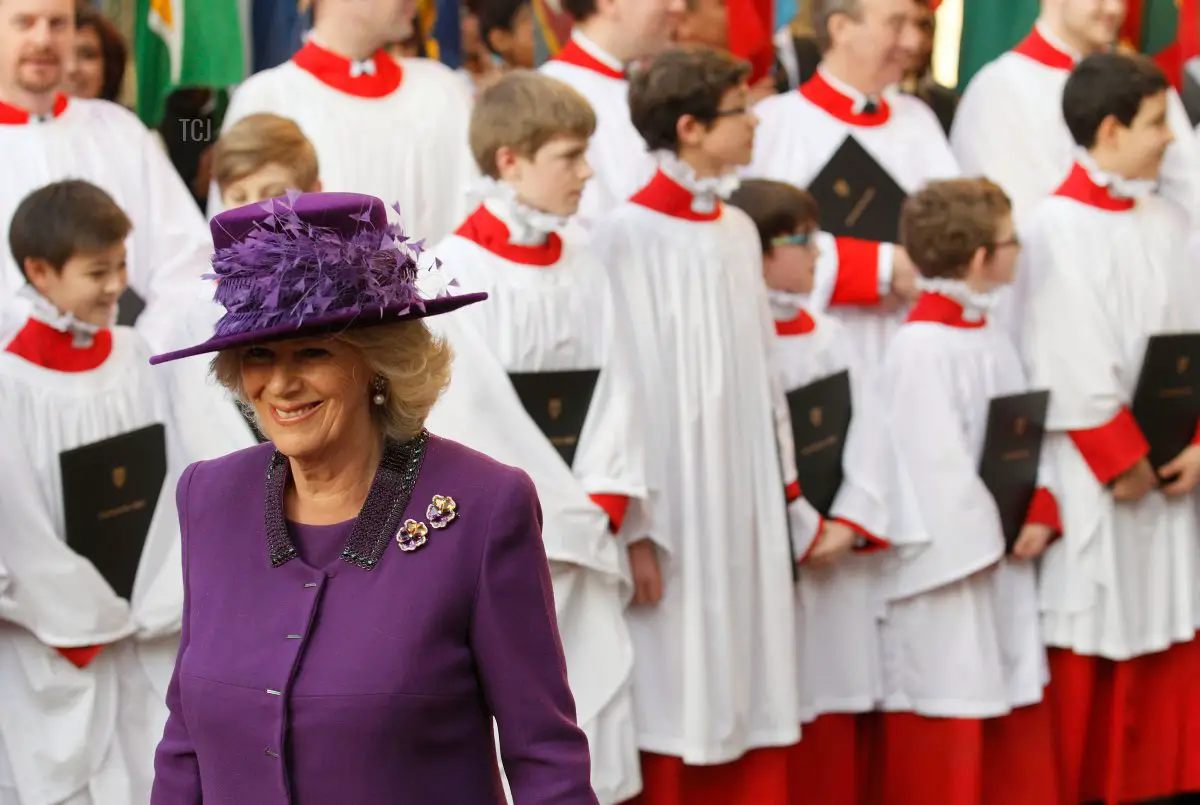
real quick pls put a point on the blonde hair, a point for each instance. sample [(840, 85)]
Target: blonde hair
[(259, 140), (524, 110), (413, 363)]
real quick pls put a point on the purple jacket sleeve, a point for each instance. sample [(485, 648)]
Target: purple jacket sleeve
[(176, 772), (520, 659)]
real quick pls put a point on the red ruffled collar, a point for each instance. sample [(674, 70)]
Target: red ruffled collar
[(43, 346), (487, 231), (802, 324), (667, 196), (1037, 47), (575, 55), (825, 95), (15, 116), (1079, 186), (940, 309), (336, 71)]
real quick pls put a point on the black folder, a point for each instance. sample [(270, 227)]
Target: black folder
[(558, 402), (820, 421), (129, 307), (1012, 452), (857, 197), (1166, 403), (110, 491)]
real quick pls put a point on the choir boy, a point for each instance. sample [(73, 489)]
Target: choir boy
[(396, 129), (1120, 593), (46, 137), (264, 156), (964, 721), (837, 604), (507, 30), (550, 322), (609, 37), (859, 147), (1010, 126), (482, 409), (91, 589), (714, 656)]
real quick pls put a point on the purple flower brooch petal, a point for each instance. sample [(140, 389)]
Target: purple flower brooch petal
[(442, 511), (412, 535)]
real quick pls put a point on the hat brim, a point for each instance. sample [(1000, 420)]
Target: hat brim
[(325, 325)]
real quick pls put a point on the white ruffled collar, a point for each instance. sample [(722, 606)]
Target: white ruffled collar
[(1116, 185), (526, 226), (82, 333), (706, 193), (975, 305)]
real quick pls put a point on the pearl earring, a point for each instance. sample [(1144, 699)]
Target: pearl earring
[(379, 387)]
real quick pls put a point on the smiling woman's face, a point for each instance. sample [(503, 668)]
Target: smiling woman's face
[(312, 395)]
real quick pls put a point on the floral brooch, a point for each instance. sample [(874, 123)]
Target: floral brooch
[(412, 535), (440, 513)]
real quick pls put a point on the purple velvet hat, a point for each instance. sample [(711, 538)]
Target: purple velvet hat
[(312, 264)]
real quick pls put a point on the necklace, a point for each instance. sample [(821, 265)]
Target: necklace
[(376, 524)]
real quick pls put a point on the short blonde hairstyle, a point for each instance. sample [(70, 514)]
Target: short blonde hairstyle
[(259, 140), (414, 364), (524, 110)]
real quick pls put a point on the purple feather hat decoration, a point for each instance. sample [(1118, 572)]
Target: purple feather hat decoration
[(309, 264)]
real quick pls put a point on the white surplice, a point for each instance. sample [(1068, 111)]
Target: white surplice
[(961, 637), (407, 147), (549, 308), (617, 153), (838, 607), (715, 657), (1108, 273), (67, 731), (1009, 127), (107, 145), (799, 133)]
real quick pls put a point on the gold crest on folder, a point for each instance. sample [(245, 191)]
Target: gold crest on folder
[(842, 188), (1181, 365), (555, 407), (119, 476), (1019, 426), (815, 416)]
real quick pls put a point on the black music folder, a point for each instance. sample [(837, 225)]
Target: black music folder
[(129, 307), (820, 421), (1166, 403), (857, 197), (558, 402), (110, 491), (1012, 451)]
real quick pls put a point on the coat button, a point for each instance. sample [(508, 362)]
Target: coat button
[(271, 753)]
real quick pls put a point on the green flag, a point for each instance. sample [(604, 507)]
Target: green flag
[(989, 29), (185, 43)]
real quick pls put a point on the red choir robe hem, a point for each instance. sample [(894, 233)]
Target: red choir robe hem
[(1112, 448), (857, 280), (759, 777), (1126, 731), (964, 761), (833, 763)]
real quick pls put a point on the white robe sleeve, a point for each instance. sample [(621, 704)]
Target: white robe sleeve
[(1181, 165), (862, 499)]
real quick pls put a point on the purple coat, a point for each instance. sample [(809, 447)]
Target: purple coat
[(355, 687)]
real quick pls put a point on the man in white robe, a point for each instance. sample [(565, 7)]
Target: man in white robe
[(396, 129), (550, 310), (1120, 594), (868, 45), (1010, 128), (45, 137), (610, 35), (714, 674)]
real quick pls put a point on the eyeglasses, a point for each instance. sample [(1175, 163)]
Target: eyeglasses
[(798, 239), (738, 112), (1012, 242)]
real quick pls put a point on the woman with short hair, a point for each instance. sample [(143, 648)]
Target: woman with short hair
[(362, 598)]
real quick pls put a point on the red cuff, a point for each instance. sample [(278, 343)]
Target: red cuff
[(1196, 435), (812, 545), (80, 657), (792, 491), (615, 506), (857, 280), (1043, 510), (1112, 448), (874, 543)]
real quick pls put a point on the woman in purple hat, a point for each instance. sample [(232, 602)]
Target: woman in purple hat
[(362, 598)]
